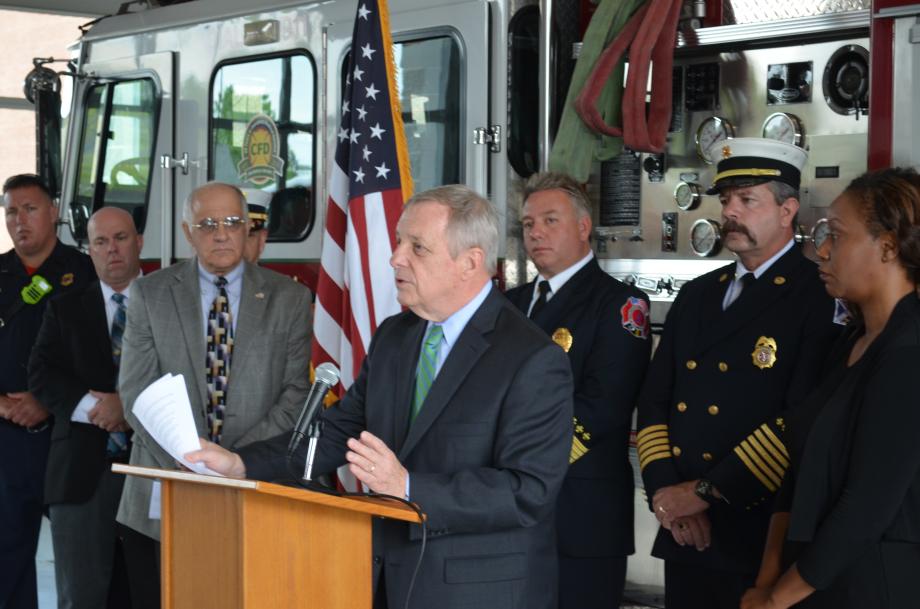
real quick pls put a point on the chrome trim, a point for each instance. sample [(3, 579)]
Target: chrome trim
[(898, 11), (838, 24), (544, 135)]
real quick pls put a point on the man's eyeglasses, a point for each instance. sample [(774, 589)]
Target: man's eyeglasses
[(209, 226)]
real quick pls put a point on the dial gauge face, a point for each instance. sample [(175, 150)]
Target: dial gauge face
[(709, 137), (784, 127), (705, 238), (687, 195)]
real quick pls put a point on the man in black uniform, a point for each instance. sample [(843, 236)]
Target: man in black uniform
[(38, 268), (257, 232), (741, 345), (603, 325)]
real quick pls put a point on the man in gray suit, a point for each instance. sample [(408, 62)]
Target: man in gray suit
[(462, 406), (198, 317)]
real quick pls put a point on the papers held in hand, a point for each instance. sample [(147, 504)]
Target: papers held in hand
[(165, 411)]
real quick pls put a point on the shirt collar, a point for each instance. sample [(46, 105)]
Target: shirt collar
[(232, 277), (740, 269), (453, 326), (108, 290), (559, 279)]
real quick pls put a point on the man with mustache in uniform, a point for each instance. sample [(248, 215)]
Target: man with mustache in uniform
[(741, 346)]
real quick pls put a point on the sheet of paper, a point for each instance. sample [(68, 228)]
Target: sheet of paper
[(81, 412), (164, 410)]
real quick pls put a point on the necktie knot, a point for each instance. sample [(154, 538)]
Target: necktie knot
[(434, 336), (747, 280), (543, 290), (119, 298), (221, 282)]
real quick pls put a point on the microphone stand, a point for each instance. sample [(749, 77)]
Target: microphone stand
[(314, 431)]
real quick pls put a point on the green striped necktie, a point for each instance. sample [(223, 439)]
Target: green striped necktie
[(427, 368)]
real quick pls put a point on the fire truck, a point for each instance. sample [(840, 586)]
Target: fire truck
[(164, 99)]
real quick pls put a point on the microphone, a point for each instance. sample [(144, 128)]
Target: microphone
[(327, 375)]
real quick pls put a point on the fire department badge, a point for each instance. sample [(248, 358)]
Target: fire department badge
[(634, 317), (563, 338), (261, 160), (764, 354), (66, 279)]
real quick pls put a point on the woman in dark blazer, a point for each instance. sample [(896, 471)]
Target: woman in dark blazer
[(846, 532)]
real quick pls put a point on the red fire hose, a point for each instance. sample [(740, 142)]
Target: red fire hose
[(650, 36)]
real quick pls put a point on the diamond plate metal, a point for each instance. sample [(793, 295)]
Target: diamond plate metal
[(759, 11)]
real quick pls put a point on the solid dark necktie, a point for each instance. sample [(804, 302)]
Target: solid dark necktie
[(118, 440), (219, 351), (544, 289), (427, 368), (746, 281)]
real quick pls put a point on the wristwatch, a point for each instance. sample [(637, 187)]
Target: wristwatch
[(704, 490)]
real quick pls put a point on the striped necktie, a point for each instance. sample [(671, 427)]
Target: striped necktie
[(427, 368), (118, 440), (219, 351)]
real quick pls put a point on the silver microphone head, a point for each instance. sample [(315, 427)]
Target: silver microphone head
[(327, 373)]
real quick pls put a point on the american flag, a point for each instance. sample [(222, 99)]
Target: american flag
[(369, 182)]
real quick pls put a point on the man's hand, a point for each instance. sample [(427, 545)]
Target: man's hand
[(218, 459), (6, 406), (108, 412), (375, 465), (758, 598), (23, 409), (692, 531), (678, 501)]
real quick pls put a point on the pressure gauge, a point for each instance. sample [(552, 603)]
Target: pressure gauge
[(706, 238), (709, 137), (784, 127), (687, 195)]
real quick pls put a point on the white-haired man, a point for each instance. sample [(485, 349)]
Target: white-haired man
[(239, 334), (464, 407)]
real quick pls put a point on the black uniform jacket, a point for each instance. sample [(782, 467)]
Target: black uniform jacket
[(72, 355), (609, 353), (854, 530), (718, 390), (486, 456)]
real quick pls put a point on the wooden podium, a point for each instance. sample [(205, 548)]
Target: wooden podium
[(242, 544)]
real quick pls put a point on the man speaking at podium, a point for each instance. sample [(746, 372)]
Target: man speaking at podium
[(463, 407)]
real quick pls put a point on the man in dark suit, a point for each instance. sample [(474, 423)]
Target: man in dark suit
[(741, 346), (603, 325), (37, 269), (463, 407), (73, 371)]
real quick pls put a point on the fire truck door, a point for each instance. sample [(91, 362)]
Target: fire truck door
[(122, 126)]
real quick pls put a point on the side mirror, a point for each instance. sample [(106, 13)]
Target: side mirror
[(78, 219)]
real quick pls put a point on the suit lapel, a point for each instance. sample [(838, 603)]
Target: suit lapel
[(253, 304), (97, 325), (405, 380), (754, 300), (464, 355), (186, 292)]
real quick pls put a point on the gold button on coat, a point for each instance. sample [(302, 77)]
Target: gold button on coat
[(676, 451), (691, 365), (682, 406), (707, 456), (713, 410), (723, 366)]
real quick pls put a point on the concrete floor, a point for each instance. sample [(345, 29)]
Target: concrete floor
[(44, 563)]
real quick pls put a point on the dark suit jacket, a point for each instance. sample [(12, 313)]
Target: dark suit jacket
[(714, 406), (486, 457), (854, 529), (608, 358), (73, 354)]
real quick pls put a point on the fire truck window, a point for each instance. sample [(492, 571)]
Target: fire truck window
[(262, 137), (116, 148), (428, 79), (523, 113)]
